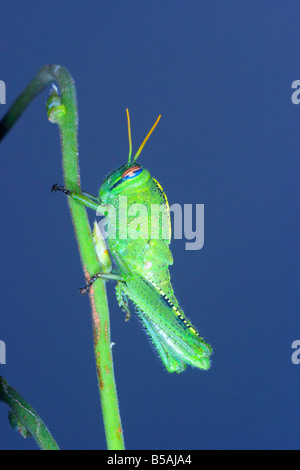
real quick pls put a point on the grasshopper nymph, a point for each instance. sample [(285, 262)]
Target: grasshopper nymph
[(142, 261)]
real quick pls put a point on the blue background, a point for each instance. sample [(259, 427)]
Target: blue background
[(220, 73)]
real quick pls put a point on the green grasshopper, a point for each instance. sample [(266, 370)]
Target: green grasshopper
[(142, 260)]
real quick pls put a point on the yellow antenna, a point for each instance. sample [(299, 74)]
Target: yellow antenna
[(146, 138), (129, 136)]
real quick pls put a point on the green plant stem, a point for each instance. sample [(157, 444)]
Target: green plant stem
[(27, 417), (63, 111)]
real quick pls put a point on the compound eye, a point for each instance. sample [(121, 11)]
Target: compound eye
[(132, 172)]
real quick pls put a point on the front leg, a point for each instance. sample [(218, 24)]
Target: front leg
[(83, 198)]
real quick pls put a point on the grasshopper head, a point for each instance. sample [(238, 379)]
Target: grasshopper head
[(124, 178), (129, 176)]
